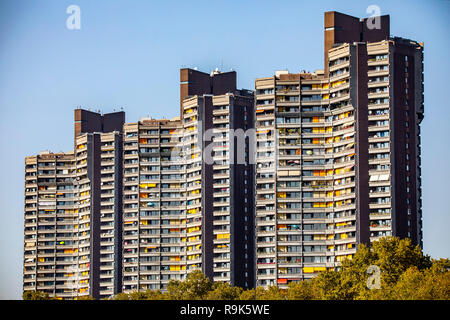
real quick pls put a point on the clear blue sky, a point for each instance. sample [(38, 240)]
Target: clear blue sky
[(128, 54)]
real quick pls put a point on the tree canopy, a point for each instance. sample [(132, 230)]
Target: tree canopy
[(390, 268)]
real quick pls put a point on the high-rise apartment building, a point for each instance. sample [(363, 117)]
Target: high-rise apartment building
[(219, 181), (172, 223), (252, 188), (50, 248), (180, 212), (338, 152), (98, 190), (142, 206), (73, 212), (154, 226)]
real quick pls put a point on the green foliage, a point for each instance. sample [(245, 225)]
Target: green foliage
[(303, 290), (155, 295), (249, 294), (392, 255), (195, 287), (36, 295), (138, 295), (121, 296), (429, 284), (271, 293), (85, 298), (405, 273), (224, 291), (259, 293)]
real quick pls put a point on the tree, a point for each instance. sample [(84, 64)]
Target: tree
[(260, 293), (36, 295), (303, 290), (195, 287), (437, 280), (138, 295), (249, 294), (155, 295), (330, 287), (404, 273), (430, 284), (392, 255), (224, 291), (272, 293), (121, 296)]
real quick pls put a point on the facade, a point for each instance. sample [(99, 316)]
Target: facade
[(98, 186), (219, 176), (390, 83), (172, 222), (50, 248), (144, 207), (338, 154), (179, 212), (98, 190), (154, 220), (73, 213), (252, 188), (111, 215)]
